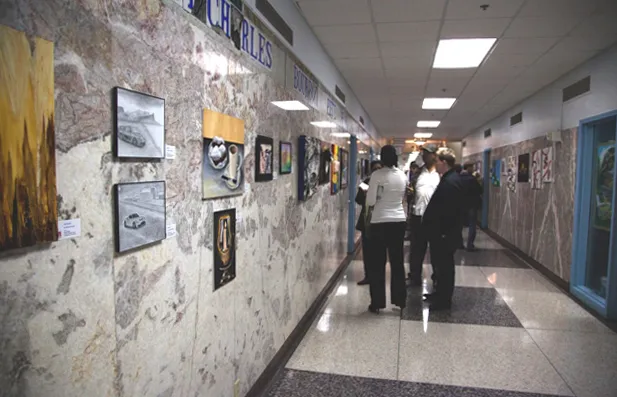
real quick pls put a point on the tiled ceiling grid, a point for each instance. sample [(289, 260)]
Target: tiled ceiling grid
[(385, 50)]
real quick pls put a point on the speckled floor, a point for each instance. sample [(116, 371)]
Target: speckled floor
[(510, 333)]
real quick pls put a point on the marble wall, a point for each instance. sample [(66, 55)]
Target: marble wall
[(79, 320), (538, 222)]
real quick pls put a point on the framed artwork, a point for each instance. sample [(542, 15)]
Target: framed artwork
[(359, 170), (523, 168), (511, 174), (325, 160), (224, 247), (27, 141), (604, 181), (367, 167), (222, 155), (344, 168), (335, 170), (496, 173), (536, 170), (309, 162), (547, 165), (264, 148), (140, 214), (139, 124), (284, 158), (504, 168)]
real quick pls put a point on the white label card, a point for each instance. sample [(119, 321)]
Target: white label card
[(171, 230), (364, 186), (69, 229), (170, 152)]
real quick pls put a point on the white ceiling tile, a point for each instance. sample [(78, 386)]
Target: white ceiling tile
[(448, 82), (408, 31), (346, 34), (598, 31), (556, 8), (510, 60), (356, 64), (407, 64), (472, 28), (352, 50), (524, 45), (335, 12), (415, 79), (419, 49), (541, 27), (407, 10), (470, 9), (401, 91)]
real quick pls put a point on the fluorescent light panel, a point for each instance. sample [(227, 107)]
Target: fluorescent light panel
[(323, 124), (341, 134), (461, 53), (428, 124), (424, 135), (290, 105), (438, 103)]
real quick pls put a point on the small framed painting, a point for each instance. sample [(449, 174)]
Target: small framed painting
[(344, 168), (285, 158), (263, 158), (224, 247), (139, 125)]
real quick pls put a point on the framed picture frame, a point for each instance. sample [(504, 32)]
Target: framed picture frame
[(224, 247), (141, 215), (285, 157), (264, 148), (309, 157), (344, 168), (139, 124)]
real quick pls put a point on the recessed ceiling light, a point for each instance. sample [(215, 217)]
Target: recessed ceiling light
[(438, 103), (461, 53), (428, 124), (323, 124), (424, 135), (340, 134), (290, 105)]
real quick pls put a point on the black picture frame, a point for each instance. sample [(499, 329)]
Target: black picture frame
[(138, 133), (344, 174), (283, 169), (264, 163), (224, 247), (140, 220)]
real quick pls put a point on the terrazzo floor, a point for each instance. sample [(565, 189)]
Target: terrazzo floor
[(510, 333)]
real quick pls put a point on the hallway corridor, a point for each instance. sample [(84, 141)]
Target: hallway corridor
[(510, 333)]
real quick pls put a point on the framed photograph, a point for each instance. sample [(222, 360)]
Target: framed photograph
[(335, 170), (264, 147), (284, 158), (140, 214), (224, 247), (140, 125), (223, 155), (344, 168), (523, 168), (309, 157), (325, 158)]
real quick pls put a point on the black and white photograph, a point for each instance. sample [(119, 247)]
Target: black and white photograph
[(140, 125), (264, 148), (225, 247), (140, 211)]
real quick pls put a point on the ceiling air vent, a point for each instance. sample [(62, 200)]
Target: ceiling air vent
[(339, 93), (576, 89), (487, 133), (361, 120), (517, 118), (276, 20)]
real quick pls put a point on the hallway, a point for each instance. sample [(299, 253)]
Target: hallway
[(510, 333)]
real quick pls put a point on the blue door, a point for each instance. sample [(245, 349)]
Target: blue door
[(594, 248), (486, 173)]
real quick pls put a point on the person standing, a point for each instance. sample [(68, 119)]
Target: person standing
[(425, 186), (386, 194), (473, 203), (361, 200), (442, 222)]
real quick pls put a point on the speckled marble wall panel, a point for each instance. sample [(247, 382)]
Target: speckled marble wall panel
[(79, 320)]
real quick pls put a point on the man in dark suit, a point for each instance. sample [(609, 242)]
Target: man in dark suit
[(361, 200), (442, 222)]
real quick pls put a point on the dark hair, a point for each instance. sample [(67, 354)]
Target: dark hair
[(375, 163), (447, 155), (389, 158), (469, 167), (413, 165), (458, 168)]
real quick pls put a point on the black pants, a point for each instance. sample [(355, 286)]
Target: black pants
[(419, 243), (387, 238), (442, 258), (366, 249)]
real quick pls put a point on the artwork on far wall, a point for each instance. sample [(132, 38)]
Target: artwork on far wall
[(604, 181), (335, 170), (140, 214), (523, 168), (140, 125), (504, 166), (547, 165), (344, 168), (285, 158), (27, 141), (366, 167), (224, 247), (223, 154), (511, 170), (495, 173), (359, 170), (325, 160), (264, 154), (309, 158), (536, 170)]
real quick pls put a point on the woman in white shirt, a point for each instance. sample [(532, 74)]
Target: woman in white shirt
[(386, 194)]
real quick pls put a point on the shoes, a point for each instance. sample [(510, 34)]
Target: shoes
[(364, 281), (431, 297), (373, 309), (440, 305)]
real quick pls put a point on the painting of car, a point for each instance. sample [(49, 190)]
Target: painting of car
[(130, 135), (134, 221)]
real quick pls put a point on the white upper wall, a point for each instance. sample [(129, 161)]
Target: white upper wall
[(310, 51), (545, 112)]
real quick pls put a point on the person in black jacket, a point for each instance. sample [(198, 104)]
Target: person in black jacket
[(360, 200), (442, 222), (473, 202)]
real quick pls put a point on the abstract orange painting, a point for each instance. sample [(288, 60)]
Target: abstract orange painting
[(27, 144)]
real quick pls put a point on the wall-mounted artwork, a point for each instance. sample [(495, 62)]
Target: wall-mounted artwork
[(27, 141), (511, 170), (604, 181), (140, 125), (309, 158), (224, 247), (504, 166), (536, 170), (140, 214), (495, 173), (223, 155), (285, 158), (547, 165), (335, 170), (344, 168), (367, 167), (325, 160), (523, 168), (359, 170), (264, 156)]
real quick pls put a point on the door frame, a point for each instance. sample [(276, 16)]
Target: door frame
[(582, 218), (486, 170)]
